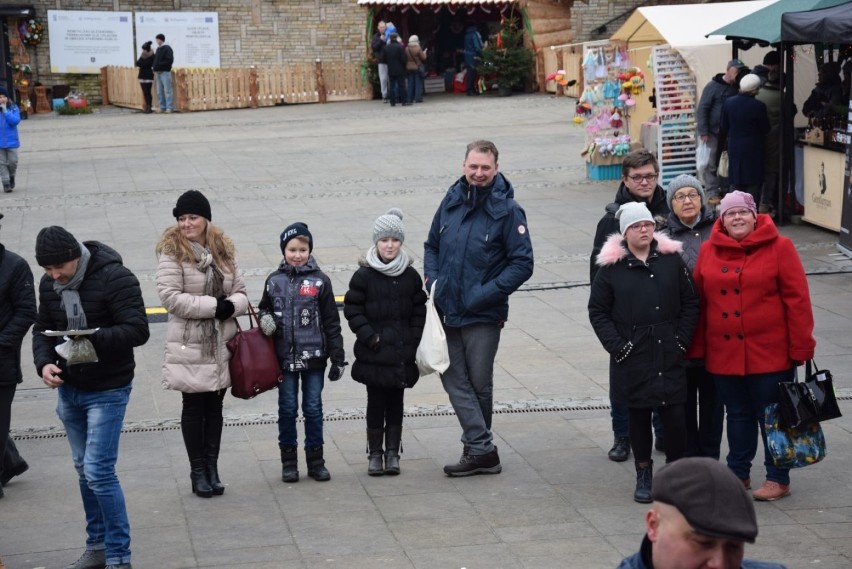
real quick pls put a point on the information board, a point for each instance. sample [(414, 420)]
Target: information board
[(193, 36), (83, 41)]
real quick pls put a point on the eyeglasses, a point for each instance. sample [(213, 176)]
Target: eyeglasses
[(683, 197), (732, 213), (644, 226), (640, 177)]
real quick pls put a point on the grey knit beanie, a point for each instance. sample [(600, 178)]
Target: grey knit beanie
[(389, 225), (683, 181), (630, 213)]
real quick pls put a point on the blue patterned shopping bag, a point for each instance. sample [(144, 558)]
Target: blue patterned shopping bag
[(793, 448)]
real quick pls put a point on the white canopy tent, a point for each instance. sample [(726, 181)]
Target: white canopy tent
[(684, 28)]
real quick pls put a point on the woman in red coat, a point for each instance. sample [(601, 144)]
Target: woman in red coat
[(756, 325)]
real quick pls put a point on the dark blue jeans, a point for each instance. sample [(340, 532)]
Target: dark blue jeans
[(312, 381), (396, 90), (745, 399), (415, 87), (93, 421)]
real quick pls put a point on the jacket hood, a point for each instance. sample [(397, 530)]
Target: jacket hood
[(500, 191), (764, 233), (719, 78), (309, 267), (102, 255), (614, 249), (623, 196)]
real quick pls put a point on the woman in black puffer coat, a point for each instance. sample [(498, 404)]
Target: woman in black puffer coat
[(386, 309)]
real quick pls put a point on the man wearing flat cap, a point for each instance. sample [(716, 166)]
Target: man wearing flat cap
[(86, 287), (701, 516)]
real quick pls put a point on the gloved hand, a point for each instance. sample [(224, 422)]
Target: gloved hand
[(374, 343), (267, 324), (224, 308), (336, 371)]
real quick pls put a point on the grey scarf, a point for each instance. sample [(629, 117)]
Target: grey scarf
[(213, 286), (393, 268), (70, 298)]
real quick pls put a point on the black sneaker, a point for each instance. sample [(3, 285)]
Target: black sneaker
[(470, 464), (620, 449), (91, 559)]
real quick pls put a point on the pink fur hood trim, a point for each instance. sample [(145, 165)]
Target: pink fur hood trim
[(614, 249)]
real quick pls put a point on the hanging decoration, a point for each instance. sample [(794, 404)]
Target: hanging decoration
[(31, 31)]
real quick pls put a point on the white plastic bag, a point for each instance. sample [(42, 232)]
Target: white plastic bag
[(702, 155), (432, 354)]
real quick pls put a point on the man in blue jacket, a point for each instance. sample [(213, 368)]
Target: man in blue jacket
[(478, 252)]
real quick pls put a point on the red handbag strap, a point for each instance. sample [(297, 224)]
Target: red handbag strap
[(252, 318)]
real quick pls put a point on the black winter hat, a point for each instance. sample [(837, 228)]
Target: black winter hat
[(193, 202), (55, 246), (295, 230)]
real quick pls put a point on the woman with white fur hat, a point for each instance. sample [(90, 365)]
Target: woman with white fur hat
[(386, 310), (744, 126), (644, 308)]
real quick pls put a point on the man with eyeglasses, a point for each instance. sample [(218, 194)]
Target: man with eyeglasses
[(639, 173)]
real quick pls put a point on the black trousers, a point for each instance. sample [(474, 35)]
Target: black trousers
[(146, 93), (7, 394), (705, 414), (384, 407), (674, 426), (397, 93), (201, 423)]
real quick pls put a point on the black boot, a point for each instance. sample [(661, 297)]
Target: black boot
[(12, 182), (374, 448), (316, 465), (393, 446), (212, 441), (470, 464), (198, 476), (289, 465), (620, 449), (644, 477)]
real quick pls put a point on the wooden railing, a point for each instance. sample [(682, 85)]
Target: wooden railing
[(243, 87)]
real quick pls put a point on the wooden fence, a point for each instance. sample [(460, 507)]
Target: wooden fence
[(243, 87)]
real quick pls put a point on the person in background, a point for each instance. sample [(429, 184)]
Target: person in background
[(474, 277), (386, 310), (756, 326), (17, 314), (145, 63), (701, 517), (415, 56), (743, 130), (298, 308), (639, 174), (10, 116), (396, 60), (377, 45), (691, 222), (164, 58), (827, 93), (770, 95), (200, 285), (87, 287), (472, 53), (643, 308), (771, 64), (709, 119)]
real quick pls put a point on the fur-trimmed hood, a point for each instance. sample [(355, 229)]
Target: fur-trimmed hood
[(614, 248)]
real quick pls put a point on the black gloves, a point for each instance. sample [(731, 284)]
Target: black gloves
[(374, 343), (224, 309), (336, 371)]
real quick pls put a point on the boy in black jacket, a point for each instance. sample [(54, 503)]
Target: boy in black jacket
[(298, 308)]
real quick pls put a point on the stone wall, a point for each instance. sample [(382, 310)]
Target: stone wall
[(251, 32), (589, 15)]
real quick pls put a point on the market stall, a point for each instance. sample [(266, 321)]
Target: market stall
[(828, 26), (668, 46)]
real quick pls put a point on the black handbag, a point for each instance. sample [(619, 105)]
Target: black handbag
[(809, 401)]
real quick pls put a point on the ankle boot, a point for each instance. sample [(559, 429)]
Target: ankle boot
[(374, 448), (289, 465), (198, 476), (316, 465), (393, 446), (644, 477), (212, 467)]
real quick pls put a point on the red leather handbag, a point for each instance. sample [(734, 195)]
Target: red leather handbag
[(254, 364)]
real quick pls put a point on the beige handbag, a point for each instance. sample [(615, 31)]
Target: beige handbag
[(722, 170)]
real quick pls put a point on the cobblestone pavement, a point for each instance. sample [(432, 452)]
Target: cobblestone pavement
[(115, 175)]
